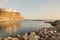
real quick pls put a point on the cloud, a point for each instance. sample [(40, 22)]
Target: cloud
[(3, 1)]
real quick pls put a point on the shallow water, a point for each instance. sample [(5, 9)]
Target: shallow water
[(22, 27)]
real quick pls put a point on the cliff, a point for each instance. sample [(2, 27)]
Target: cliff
[(10, 15)]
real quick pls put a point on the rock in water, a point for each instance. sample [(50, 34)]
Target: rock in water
[(9, 15)]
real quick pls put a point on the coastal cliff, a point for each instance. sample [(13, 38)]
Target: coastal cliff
[(10, 15)]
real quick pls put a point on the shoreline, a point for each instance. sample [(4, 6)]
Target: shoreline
[(50, 31)]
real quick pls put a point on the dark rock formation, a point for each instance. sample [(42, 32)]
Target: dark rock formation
[(55, 24)]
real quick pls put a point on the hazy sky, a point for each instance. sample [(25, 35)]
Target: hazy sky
[(37, 9)]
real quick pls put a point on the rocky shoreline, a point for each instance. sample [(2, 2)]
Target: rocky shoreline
[(50, 33)]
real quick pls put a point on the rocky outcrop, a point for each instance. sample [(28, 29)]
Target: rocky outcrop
[(10, 15), (9, 18), (55, 24)]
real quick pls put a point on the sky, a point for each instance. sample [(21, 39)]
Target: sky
[(34, 9)]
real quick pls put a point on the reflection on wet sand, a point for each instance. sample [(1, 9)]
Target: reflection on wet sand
[(9, 27)]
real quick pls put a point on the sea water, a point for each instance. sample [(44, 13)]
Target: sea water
[(24, 26)]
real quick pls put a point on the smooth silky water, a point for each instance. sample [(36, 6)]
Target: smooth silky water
[(21, 27)]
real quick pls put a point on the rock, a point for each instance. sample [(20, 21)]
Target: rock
[(10, 15), (55, 24)]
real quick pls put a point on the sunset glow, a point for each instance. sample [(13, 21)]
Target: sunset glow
[(35, 9)]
